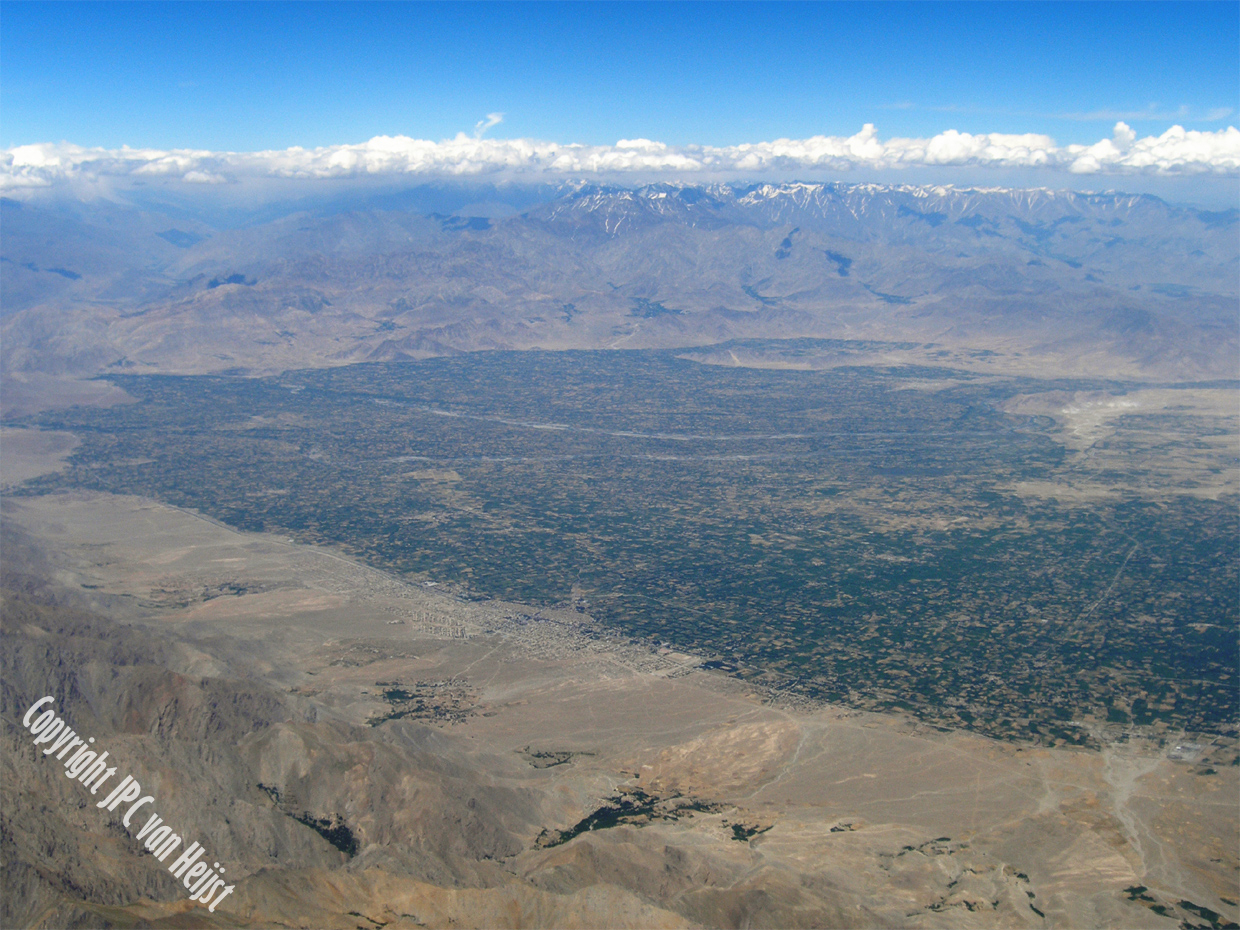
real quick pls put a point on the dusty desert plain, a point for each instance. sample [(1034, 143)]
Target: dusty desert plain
[(359, 751)]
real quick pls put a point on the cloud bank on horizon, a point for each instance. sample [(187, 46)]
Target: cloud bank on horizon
[(1176, 152)]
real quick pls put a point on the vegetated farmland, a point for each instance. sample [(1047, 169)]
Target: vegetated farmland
[(848, 534)]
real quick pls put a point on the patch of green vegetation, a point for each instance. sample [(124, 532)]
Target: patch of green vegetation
[(441, 702), (744, 832), (632, 807), (546, 759), (1214, 918), (332, 829)]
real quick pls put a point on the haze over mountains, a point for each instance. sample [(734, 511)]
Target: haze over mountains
[(1126, 285), (617, 638)]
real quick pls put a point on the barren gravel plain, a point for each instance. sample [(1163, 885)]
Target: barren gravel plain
[(494, 765)]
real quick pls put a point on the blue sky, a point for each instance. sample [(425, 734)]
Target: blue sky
[(245, 77)]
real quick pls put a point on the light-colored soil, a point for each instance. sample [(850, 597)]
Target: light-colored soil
[(867, 819), (1150, 443), (28, 453)]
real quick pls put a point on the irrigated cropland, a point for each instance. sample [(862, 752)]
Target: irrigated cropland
[(886, 539)]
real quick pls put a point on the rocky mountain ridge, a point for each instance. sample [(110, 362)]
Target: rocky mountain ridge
[(1126, 284)]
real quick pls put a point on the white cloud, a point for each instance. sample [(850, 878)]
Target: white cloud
[(644, 144), (493, 119), (203, 177), (1153, 112), (1176, 152)]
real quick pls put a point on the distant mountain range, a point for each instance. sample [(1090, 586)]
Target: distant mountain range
[(1119, 284)]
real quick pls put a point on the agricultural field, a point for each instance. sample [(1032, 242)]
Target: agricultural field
[(1046, 560)]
